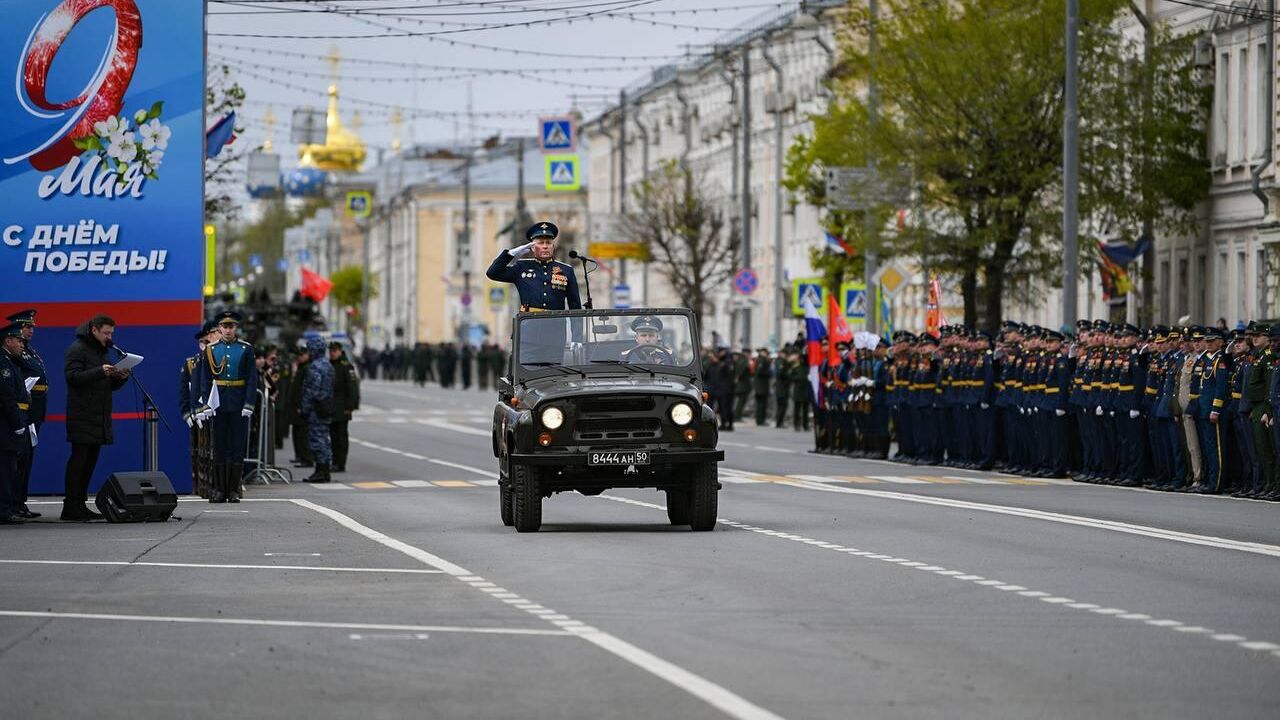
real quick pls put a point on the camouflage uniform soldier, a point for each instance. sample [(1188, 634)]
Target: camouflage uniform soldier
[(316, 404)]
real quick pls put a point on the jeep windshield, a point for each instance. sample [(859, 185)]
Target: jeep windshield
[(623, 340)]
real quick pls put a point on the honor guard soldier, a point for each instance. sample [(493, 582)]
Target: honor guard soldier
[(230, 371), (31, 365), (190, 384), (543, 283), (15, 440), (1211, 425)]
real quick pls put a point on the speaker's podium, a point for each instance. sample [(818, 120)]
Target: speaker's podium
[(146, 496)]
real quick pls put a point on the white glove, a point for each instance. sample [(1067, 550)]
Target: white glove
[(1059, 413), (20, 431), (200, 421), (1133, 414), (1098, 411), (523, 250), (190, 420), (246, 412), (984, 406), (1022, 411)]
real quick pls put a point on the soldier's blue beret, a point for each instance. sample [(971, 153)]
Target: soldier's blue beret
[(542, 230)]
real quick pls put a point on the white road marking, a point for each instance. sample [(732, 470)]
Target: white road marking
[(977, 480), (256, 622), (1114, 526), (289, 554), (1053, 600), (332, 486), (764, 448), (898, 479), (468, 468), (711, 693), (412, 483), (446, 425), (209, 566), (437, 461)]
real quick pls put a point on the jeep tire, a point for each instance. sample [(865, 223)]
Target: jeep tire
[(526, 498), (505, 500), (704, 487), (678, 505)]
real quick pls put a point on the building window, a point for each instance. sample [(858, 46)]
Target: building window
[(1222, 97), (1259, 105), (1184, 287), (1163, 299), (1202, 284), (1238, 153)]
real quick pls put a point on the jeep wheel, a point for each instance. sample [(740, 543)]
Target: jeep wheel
[(703, 491), (678, 505), (504, 498), (526, 498)]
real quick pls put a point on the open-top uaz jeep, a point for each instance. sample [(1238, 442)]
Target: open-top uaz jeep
[(600, 399)]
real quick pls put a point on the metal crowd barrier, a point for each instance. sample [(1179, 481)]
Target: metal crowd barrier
[(262, 458)]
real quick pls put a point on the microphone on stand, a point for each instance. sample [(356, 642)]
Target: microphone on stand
[(573, 254)]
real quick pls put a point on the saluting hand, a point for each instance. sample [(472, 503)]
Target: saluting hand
[(523, 250)]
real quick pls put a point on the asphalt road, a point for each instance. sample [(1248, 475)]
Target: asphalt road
[(832, 588)]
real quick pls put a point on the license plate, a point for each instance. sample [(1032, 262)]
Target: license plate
[(637, 457)]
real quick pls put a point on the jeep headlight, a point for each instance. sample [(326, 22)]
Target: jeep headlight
[(681, 414), (552, 418)]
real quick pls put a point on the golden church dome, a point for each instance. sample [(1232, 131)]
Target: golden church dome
[(343, 151)]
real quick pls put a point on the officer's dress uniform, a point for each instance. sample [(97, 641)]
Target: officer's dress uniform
[(230, 367), (190, 384), (1246, 472), (542, 285), (1214, 391), (15, 439), (30, 365)]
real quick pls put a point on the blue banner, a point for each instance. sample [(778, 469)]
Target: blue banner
[(101, 180)]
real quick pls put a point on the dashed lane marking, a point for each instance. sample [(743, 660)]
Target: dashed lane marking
[(715, 695), (435, 461), (208, 566), (372, 485), (412, 483), (979, 581), (452, 483), (446, 425)]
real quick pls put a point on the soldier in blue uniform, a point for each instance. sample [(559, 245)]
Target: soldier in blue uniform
[(543, 283), (190, 384), (1211, 421), (1247, 475), (31, 365), (317, 404), (230, 369), (15, 438)]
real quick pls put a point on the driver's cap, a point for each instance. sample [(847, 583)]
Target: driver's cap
[(646, 322)]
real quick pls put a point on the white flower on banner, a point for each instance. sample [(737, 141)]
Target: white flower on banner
[(151, 161), (107, 128), (123, 148), (154, 135)]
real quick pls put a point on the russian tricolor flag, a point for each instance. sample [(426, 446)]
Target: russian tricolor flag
[(814, 332), (837, 244)]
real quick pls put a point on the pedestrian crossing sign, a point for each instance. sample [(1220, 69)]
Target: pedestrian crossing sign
[(855, 301), (562, 172), (810, 289), (558, 134)]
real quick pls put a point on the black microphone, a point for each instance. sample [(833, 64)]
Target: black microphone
[(573, 254)]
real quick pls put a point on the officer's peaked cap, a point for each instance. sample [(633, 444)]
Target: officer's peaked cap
[(208, 327), (231, 315), (646, 322), (542, 230), (11, 330), (23, 316)]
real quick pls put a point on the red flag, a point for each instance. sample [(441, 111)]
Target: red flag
[(314, 286), (933, 310), (839, 329)]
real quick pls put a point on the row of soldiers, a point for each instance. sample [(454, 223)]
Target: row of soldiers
[(735, 378), (226, 385), (447, 363), (1188, 409)]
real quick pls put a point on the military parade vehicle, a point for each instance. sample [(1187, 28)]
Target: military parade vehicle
[(601, 399)]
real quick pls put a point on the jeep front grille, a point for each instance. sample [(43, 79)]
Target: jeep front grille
[(618, 429), (619, 404)]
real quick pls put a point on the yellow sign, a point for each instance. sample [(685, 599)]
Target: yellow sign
[(359, 203), (618, 251), (210, 258)]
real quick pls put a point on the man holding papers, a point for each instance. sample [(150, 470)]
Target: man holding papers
[(91, 380)]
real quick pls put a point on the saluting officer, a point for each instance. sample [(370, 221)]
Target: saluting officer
[(14, 438), (543, 283), (231, 370), (31, 365)]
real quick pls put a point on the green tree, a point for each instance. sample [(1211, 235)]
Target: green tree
[(685, 233), (973, 108), (348, 291)]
